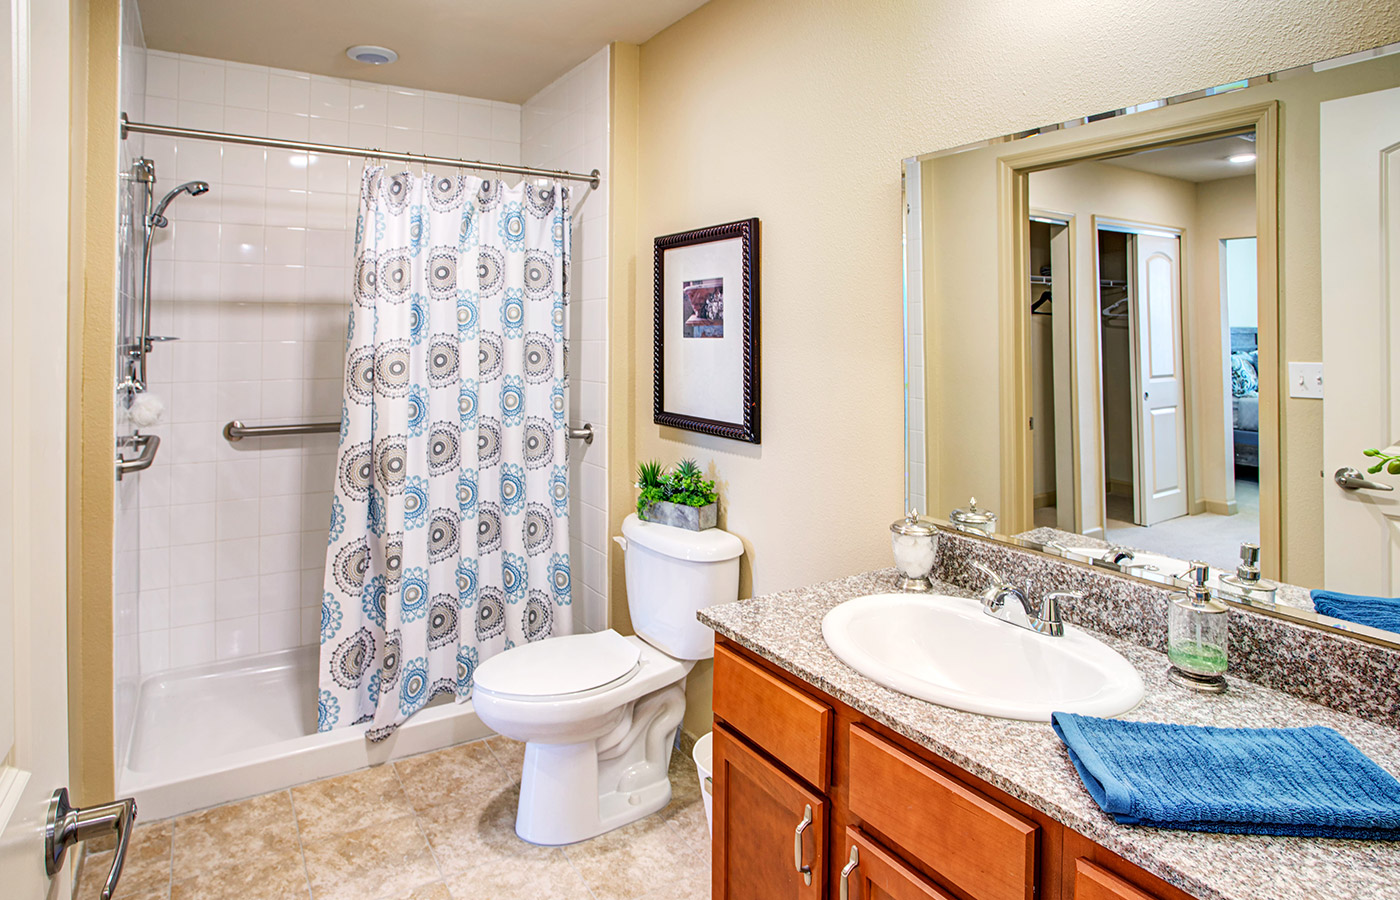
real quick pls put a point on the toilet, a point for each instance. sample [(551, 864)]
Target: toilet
[(598, 712)]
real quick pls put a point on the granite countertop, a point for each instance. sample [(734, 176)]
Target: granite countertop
[(1027, 760)]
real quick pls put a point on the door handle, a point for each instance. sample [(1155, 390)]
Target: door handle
[(849, 870), (146, 446), (797, 854), (67, 826), (1349, 479)]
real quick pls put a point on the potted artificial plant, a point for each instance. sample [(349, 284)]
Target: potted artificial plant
[(682, 498)]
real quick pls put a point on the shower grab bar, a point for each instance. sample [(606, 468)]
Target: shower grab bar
[(145, 445), (237, 431)]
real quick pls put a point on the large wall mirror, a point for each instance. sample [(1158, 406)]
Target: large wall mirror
[(1174, 330)]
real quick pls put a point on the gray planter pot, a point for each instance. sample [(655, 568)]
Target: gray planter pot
[(678, 515)]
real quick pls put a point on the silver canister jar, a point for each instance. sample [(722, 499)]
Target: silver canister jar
[(915, 542)]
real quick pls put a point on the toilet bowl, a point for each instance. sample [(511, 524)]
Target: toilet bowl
[(598, 712)]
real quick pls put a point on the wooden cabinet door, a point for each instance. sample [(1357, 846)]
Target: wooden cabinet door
[(758, 811), (873, 873)]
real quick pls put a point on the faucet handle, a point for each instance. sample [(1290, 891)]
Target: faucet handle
[(1050, 606), (996, 581)]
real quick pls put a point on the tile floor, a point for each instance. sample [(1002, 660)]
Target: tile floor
[(432, 827)]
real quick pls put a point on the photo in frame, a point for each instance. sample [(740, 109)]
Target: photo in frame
[(706, 367)]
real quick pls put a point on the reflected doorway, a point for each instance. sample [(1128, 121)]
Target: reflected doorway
[(1145, 417)]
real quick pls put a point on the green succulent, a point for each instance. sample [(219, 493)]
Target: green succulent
[(1383, 461), (686, 485), (649, 474)]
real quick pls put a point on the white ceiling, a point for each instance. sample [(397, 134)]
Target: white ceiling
[(494, 49), (1201, 161)]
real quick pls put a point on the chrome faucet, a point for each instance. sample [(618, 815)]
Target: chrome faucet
[(1042, 618)]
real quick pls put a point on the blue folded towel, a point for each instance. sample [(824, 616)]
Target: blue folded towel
[(1378, 612), (1309, 782)]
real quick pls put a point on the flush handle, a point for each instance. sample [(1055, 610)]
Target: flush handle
[(67, 826), (797, 853)]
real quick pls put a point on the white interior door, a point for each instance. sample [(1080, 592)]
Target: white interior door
[(1360, 183), (1160, 422), (34, 178)]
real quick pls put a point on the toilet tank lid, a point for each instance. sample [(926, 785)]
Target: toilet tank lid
[(710, 545), (561, 665)]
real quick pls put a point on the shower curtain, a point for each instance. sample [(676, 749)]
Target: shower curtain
[(449, 525)]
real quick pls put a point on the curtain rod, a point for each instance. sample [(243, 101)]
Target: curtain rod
[(130, 127)]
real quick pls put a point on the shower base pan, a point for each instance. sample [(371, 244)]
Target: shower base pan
[(211, 734)]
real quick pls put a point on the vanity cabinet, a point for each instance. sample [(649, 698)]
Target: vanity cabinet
[(803, 781)]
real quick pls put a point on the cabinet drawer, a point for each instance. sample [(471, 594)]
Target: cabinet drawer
[(979, 846), (786, 723), (873, 872), (1094, 883)]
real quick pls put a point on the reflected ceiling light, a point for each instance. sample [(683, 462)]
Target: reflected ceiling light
[(1240, 158), (371, 55)]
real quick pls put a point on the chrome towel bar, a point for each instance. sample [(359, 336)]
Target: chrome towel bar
[(237, 431)]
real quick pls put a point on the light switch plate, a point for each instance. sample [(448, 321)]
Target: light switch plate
[(1305, 380)]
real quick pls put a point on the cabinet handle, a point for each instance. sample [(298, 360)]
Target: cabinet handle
[(797, 845), (848, 871)]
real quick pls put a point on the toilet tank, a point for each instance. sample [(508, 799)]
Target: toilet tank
[(671, 575)]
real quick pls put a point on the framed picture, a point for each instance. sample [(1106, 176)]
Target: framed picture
[(705, 368)]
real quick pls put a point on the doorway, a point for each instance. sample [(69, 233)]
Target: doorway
[(1142, 400)]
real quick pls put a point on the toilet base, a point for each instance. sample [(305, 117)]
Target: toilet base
[(572, 792)]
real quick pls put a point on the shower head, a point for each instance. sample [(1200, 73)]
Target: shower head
[(193, 188)]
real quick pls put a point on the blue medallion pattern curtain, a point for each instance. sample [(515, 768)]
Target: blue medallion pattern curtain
[(449, 525)]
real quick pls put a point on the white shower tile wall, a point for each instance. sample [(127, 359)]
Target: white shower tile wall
[(565, 126), (126, 493), (254, 279)]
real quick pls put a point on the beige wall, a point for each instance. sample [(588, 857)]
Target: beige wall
[(92, 360), (1224, 209), (1084, 191), (799, 113)]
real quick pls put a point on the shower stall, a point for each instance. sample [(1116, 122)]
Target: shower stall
[(234, 291)]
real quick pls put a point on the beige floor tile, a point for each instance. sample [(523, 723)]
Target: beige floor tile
[(510, 754), (351, 802), (685, 786), (147, 865), (93, 877), (449, 775), (690, 824), (553, 878), (689, 890), (479, 832), (435, 891), (630, 862), (267, 877), (234, 834), (387, 860)]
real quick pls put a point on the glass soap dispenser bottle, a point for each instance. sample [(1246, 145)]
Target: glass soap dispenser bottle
[(1198, 632)]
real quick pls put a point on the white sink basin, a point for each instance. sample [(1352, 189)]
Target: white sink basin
[(948, 651)]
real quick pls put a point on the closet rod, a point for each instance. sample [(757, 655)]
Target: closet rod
[(130, 127)]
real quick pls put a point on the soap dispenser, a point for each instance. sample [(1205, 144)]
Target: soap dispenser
[(1247, 580), (1198, 635)]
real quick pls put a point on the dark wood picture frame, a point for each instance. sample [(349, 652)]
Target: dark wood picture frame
[(747, 429)]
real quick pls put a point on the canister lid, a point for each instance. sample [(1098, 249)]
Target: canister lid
[(911, 525), (972, 515)]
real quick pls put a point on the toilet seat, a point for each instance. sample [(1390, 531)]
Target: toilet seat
[(570, 667)]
